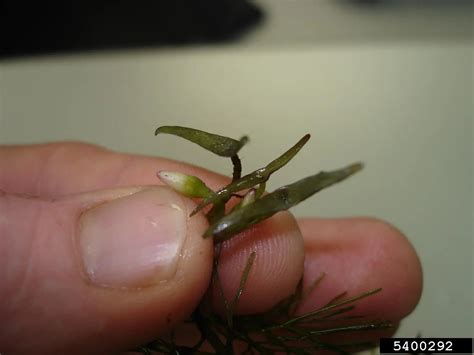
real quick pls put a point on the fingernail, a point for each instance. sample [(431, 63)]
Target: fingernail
[(133, 241)]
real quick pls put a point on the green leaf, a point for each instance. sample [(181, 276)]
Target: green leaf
[(220, 145), (188, 185), (279, 200), (256, 177)]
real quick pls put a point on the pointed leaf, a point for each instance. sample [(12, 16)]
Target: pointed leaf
[(220, 145), (279, 200)]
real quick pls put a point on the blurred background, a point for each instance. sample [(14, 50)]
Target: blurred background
[(386, 82)]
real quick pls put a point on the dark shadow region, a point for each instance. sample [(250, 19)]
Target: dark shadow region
[(39, 27)]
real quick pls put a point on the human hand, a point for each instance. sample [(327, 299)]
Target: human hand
[(92, 265)]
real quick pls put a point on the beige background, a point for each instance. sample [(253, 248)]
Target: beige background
[(389, 84)]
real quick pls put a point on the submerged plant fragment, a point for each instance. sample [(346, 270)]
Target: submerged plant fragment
[(279, 200), (280, 330)]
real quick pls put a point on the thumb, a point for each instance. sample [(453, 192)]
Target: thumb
[(98, 272)]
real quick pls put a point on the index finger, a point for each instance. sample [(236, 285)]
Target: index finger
[(72, 167)]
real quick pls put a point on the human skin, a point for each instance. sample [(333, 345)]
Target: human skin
[(48, 304)]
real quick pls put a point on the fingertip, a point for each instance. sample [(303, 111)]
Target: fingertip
[(277, 268), (358, 255), (152, 311)]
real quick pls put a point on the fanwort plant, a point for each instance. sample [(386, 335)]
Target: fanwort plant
[(279, 330)]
